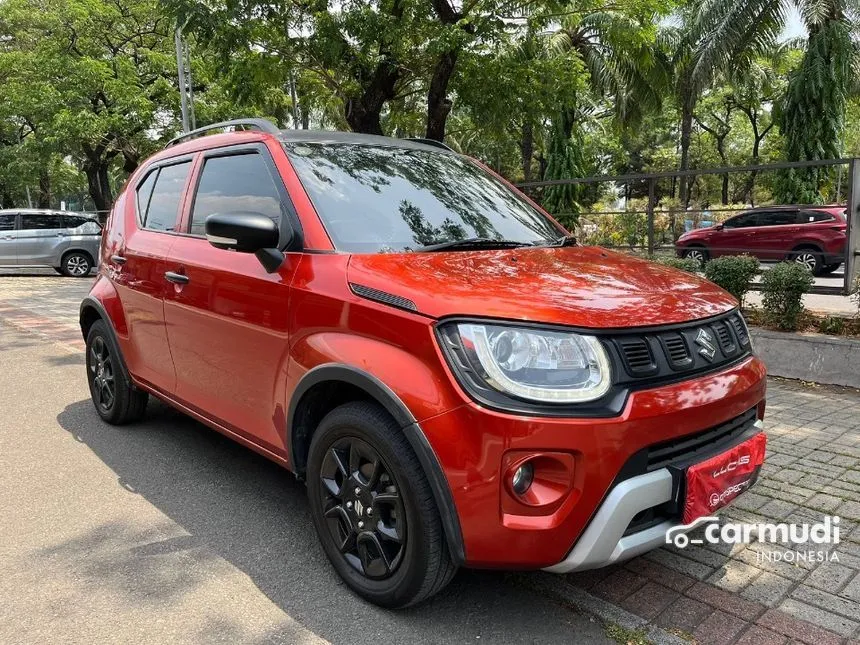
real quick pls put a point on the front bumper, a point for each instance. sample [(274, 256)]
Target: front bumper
[(604, 541), (475, 446)]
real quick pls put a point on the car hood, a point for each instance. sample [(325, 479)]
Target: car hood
[(577, 286)]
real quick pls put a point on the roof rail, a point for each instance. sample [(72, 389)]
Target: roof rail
[(431, 142), (263, 125)]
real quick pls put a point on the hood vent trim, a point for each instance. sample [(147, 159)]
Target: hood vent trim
[(382, 297)]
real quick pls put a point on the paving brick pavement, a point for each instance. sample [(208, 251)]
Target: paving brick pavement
[(43, 303), (706, 593)]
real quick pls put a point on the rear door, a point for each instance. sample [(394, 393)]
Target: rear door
[(227, 318), (139, 265), (772, 236), (8, 238), (41, 238)]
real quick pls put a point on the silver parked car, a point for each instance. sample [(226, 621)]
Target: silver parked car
[(68, 242)]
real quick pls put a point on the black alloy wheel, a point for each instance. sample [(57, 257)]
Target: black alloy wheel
[(373, 508), (100, 364), (363, 508), (114, 396)]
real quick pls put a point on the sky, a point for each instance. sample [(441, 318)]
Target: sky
[(793, 25)]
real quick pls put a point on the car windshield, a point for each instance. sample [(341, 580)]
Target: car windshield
[(375, 199)]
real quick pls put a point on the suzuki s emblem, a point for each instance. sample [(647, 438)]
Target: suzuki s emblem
[(706, 344)]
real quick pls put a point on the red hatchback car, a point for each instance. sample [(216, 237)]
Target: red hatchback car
[(457, 381), (812, 236)]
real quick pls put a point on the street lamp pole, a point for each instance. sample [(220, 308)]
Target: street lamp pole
[(183, 92)]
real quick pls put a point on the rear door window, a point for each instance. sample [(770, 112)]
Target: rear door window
[(234, 184), (38, 221), (162, 203), (7, 221), (777, 218)]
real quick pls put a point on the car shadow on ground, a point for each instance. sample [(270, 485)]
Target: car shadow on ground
[(254, 514)]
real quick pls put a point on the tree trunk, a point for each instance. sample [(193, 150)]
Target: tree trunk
[(44, 188), (527, 145), (98, 184), (686, 132), (363, 113), (438, 103)]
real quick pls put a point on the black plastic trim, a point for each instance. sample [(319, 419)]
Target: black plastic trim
[(383, 297), (381, 393), (90, 302)]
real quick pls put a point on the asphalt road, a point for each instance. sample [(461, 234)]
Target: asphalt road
[(166, 532)]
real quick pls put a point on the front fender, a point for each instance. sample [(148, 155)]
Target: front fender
[(418, 380)]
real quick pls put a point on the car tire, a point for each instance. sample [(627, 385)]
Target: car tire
[(829, 268), (115, 398), (76, 265), (810, 258), (373, 508), (697, 253)]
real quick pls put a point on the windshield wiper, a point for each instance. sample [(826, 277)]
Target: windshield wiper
[(564, 240), (472, 243)]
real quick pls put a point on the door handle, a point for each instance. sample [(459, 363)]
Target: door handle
[(176, 278), (117, 259)]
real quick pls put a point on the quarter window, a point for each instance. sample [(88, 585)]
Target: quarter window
[(32, 222), (816, 216), (162, 205), (237, 183)]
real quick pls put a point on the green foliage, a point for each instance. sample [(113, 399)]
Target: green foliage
[(812, 116), (733, 273), (834, 325), (783, 287), (684, 264)]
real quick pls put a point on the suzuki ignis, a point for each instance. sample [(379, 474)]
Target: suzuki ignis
[(458, 382)]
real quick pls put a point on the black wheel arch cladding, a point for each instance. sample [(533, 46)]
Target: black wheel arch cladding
[(298, 438)]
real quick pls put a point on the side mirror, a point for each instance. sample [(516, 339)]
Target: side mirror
[(718, 227), (246, 232)]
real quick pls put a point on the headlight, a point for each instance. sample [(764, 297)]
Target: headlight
[(534, 364)]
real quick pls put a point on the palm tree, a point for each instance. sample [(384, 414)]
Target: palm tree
[(617, 48), (811, 115)]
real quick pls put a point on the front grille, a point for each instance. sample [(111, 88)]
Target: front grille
[(682, 351), (740, 328), (676, 350), (637, 356), (690, 447)]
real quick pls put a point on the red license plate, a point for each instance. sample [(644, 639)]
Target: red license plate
[(715, 482)]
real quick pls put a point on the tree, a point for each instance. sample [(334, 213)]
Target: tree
[(811, 116), (88, 79)]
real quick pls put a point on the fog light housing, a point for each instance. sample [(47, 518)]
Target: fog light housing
[(523, 478)]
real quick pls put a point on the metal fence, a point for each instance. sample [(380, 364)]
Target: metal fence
[(654, 224)]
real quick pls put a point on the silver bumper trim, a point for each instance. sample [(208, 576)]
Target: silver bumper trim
[(603, 541)]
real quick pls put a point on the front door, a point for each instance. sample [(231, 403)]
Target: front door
[(41, 239), (8, 239), (227, 319)]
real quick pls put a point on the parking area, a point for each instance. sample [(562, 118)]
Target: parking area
[(165, 531)]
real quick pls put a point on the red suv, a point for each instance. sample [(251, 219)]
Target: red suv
[(812, 236), (457, 381)]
